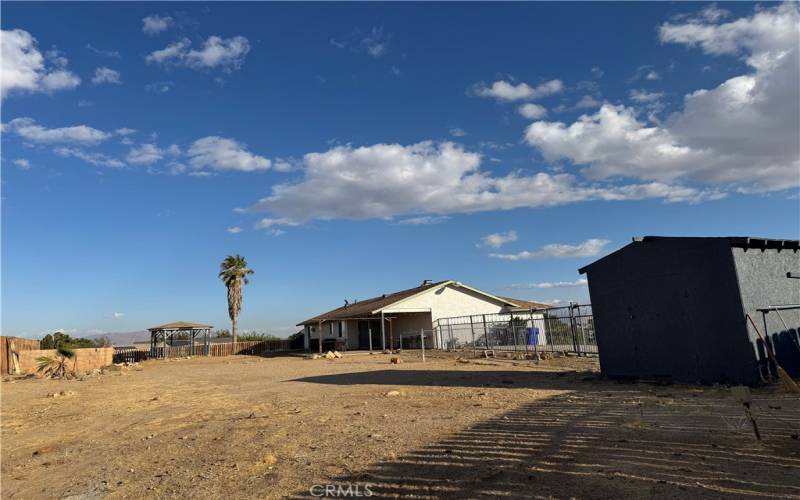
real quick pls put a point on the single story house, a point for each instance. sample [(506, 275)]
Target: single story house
[(378, 322), (674, 308)]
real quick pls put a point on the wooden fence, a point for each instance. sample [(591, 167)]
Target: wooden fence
[(253, 348), (9, 345)]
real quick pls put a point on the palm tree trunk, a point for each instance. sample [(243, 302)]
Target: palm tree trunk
[(234, 330)]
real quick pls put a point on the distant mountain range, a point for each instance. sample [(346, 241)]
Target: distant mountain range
[(123, 338)]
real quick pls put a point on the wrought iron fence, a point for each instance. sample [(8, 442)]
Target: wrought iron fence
[(559, 329)]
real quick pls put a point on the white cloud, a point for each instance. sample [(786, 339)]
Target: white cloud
[(457, 132), (740, 134), (387, 180), (22, 163), (234, 230), (145, 154), (24, 69), (220, 153), (173, 52), (61, 79), (589, 248), (118, 315), (496, 240), (225, 53), (547, 284), (374, 43), (532, 111), (269, 223), (125, 131), (155, 24), (106, 75), (57, 58), (30, 131), (96, 159), (505, 91), (424, 220), (597, 72), (588, 101), (107, 53), (643, 96), (159, 87)]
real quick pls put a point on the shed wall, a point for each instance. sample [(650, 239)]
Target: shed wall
[(763, 282), (671, 309)]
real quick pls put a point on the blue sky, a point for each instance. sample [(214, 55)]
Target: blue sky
[(348, 150)]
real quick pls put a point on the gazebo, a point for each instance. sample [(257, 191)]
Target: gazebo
[(160, 348)]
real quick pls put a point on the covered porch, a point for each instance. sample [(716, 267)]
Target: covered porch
[(368, 332)]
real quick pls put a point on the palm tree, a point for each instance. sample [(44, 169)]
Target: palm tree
[(55, 367), (233, 272)]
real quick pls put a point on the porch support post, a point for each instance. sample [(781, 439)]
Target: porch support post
[(319, 335), (383, 332)]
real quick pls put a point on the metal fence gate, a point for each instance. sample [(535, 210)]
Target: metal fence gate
[(559, 329)]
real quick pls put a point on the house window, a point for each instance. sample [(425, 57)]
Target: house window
[(340, 328)]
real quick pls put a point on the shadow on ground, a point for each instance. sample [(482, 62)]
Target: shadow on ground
[(622, 442), (461, 378)]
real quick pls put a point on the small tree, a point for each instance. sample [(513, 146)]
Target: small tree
[(55, 367)]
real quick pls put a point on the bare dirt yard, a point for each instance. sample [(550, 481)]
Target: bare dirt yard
[(250, 427)]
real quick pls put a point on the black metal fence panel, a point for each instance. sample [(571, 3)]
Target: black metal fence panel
[(560, 329)]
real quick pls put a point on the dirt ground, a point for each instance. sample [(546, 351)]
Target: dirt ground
[(250, 427)]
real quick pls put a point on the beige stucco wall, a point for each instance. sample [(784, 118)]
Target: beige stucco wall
[(451, 301), (85, 360)]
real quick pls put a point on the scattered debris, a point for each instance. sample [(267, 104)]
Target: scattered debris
[(395, 360), (61, 394), (392, 394)]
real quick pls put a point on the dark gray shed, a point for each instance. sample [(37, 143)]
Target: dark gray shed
[(674, 308)]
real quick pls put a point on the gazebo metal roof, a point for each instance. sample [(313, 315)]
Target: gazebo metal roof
[(179, 325)]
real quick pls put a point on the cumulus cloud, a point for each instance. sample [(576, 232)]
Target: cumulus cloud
[(24, 68), (220, 153), (741, 133), (155, 24), (96, 159), (496, 240), (548, 284), (387, 180), (234, 230), (589, 248), (117, 315), (506, 91), (29, 130), (227, 54), (145, 154), (106, 75), (532, 111)]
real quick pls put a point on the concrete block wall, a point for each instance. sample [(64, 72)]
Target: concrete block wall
[(85, 360)]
